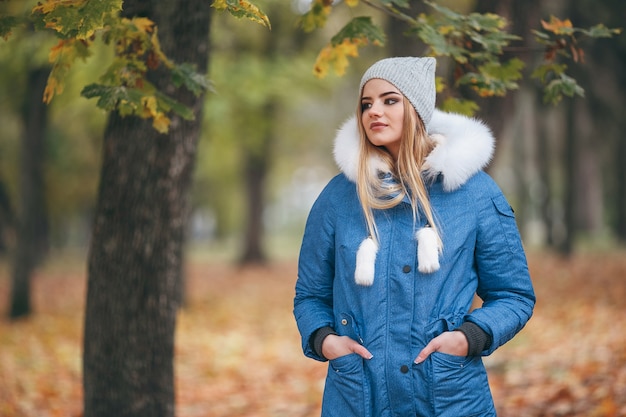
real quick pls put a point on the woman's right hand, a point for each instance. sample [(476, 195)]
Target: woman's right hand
[(335, 346)]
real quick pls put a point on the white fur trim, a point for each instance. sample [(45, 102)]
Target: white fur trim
[(427, 250), (464, 147), (347, 149), (365, 262)]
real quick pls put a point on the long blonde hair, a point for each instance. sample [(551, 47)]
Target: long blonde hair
[(415, 145)]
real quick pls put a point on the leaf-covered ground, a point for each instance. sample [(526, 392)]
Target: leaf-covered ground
[(238, 350)]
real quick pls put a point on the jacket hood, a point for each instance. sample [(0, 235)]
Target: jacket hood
[(464, 146)]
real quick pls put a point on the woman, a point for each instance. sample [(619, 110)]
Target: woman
[(396, 247)]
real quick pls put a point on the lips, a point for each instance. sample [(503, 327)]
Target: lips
[(377, 126)]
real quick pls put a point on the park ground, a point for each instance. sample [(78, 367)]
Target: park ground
[(238, 351)]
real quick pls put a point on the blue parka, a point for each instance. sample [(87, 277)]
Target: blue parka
[(403, 309)]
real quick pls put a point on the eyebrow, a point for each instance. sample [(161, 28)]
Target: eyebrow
[(382, 95)]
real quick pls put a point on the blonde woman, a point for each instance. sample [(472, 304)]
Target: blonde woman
[(395, 248)]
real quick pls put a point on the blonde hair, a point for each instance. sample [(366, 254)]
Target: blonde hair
[(374, 193)]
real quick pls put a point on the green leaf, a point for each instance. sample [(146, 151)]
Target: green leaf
[(564, 85), (316, 17), (7, 23), (601, 31), (493, 78), (462, 106), (167, 104), (76, 18), (439, 43), (243, 9), (360, 28), (547, 70), (185, 74), (400, 3), (109, 97), (130, 101)]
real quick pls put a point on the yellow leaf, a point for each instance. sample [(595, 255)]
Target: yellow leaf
[(50, 5), (445, 30), (557, 26), (352, 3), (51, 87), (219, 4), (149, 107), (337, 56), (144, 24), (440, 84), (161, 123)]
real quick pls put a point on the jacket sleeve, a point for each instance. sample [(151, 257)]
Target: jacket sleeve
[(313, 302), (504, 282)]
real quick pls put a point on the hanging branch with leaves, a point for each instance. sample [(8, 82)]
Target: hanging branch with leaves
[(474, 42), (124, 86)]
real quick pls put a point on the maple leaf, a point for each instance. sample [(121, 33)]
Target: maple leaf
[(243, 9), (360, 31), (316, 17), (557, 26)]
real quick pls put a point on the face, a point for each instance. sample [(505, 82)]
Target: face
[(382, 114)]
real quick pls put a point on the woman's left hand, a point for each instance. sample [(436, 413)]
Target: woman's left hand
[(451, 343)]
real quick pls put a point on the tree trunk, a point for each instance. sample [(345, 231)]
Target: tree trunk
[(32, 226), (544, 165), (256, 166), (6, 217), (398, 43), (566, 247), (620, 200), (136, 255)]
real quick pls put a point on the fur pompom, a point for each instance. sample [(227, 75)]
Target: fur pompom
[(365, 261), (427, 250)]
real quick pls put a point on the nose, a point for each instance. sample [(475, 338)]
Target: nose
[(375, 110)]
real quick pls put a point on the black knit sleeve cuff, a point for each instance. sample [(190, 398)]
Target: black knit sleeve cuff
[(317, 338), (477, 339)]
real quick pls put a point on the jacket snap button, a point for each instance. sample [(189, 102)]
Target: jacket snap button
[(406, 269), (404, 369), (344, 322)]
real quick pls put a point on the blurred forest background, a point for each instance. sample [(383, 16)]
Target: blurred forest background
[(264, 154), (266, 139)]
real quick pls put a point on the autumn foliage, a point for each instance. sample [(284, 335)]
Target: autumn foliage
[(238, 350)]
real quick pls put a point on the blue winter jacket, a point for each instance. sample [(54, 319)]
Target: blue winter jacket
[(403, 309)]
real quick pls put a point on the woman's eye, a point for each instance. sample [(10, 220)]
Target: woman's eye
[(391, 101), (365, 106)]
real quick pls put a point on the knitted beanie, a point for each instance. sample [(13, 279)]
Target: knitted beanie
[(414, 77)]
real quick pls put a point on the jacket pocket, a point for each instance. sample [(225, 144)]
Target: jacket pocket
[(347, 327), (346, 392), (507, 223), (460, 386)]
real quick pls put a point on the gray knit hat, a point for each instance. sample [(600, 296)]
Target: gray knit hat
[(414, 77)]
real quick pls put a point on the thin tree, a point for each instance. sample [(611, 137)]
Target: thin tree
[(32, 224)]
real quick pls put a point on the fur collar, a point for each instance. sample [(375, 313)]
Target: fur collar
[(464, 147)]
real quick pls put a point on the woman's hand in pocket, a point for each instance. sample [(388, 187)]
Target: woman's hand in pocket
[(451, 343), (335, 346)]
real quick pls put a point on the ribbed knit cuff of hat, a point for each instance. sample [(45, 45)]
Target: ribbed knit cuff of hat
[(317, 338), (477, 339)]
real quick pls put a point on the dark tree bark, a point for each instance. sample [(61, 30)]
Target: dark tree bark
[(136, 255), (398, 42), (256, 167), (6, 217), (620, 188), (257, 157), (32, 223), (570, 147)]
